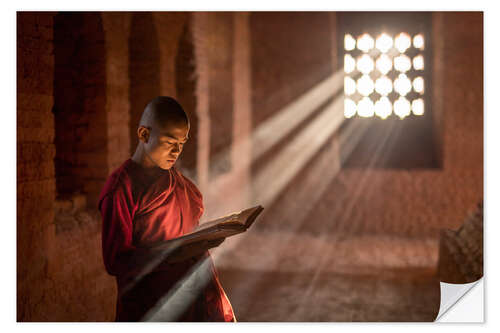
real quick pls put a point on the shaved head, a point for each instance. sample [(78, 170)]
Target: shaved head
[(163, 130), (161, 111)]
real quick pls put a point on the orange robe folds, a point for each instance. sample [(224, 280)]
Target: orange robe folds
[(139, 214)]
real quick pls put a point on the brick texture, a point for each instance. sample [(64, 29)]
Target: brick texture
[(35, 152), (79, 103), (290, 53)]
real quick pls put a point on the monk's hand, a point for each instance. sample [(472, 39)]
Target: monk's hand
[(191, 250)]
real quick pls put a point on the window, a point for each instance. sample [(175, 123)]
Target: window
[(386, 58), (383, 75)]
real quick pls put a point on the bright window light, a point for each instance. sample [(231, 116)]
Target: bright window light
[(365, 85), (383, 107), (349, 43), (365, 64), (418, 62), (384, 43), (365, 107), (402, 63), (349, 63), (365, 42), (402, 42), (402, 85), (402, 107), (349, 86), (418, 85), (384, 64), (417, 107), (418, 42), (389, 67), (383, 85), (349, 108)]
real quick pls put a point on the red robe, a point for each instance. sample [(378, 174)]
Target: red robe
[(138, 214)]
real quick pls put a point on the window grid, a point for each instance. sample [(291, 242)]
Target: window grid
[(384, 75)]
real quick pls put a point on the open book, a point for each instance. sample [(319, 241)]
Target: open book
[(223, 227)]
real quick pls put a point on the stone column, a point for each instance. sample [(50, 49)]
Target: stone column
[(200, 27), (117, 29), (241, 154), (169, 27)]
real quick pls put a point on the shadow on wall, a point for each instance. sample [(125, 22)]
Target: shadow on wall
[(79, 104)]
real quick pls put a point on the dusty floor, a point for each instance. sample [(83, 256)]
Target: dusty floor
[(289, 297)]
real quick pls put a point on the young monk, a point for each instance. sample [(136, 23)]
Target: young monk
[(146, 202)]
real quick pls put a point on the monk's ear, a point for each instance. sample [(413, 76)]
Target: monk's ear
[(143, 133)]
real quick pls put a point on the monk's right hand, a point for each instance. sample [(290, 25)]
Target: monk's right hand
[(191, 250)]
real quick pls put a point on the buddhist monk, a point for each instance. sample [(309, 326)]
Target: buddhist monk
[(146, 202)]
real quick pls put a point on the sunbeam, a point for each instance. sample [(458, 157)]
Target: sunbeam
[(171, 306), (360, 187), (264, 137)]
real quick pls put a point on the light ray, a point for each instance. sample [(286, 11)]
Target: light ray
[(274, 177), (345, 211), (267, 135), (172, 305)]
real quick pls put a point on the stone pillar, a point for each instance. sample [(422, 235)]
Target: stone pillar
[(241, 154), (117, 29), (185, 86), (200, 27), (169, 27)]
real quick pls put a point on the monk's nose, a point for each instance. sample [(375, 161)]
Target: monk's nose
[(176, 148)]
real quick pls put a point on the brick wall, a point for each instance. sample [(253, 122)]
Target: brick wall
[(82, 290), (79, 104), (460, 65), (290, 54), (36, 188)]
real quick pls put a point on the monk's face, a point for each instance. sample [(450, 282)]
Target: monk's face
[(165, 143)]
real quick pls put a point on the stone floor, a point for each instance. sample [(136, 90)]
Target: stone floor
[(391, 295)]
